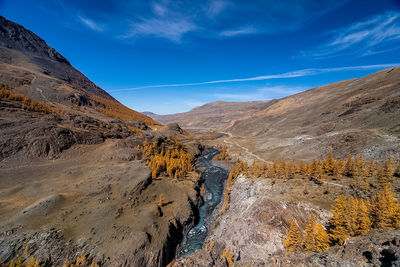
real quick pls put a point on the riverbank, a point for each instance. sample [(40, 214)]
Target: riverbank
[(213, 178)]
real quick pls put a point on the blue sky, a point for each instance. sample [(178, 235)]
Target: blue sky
[(169, 56)]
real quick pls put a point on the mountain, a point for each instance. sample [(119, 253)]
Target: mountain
[(215, 115), (74, 180), (30, 67), (353, 116), (36, 79)]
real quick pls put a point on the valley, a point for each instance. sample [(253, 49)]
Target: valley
[(311, 179)]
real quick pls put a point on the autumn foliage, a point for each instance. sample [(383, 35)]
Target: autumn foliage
[(314, 237), (293, 241), (363, 173), (26, 102), (356, 216), (239, 168), (351, 217), (223, 155), (115, 109), (160, 201), (32, 262), (168, 158), (227, 255)]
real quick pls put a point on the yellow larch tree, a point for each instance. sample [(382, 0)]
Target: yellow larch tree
[(338, 168), (350, 217), (309, 234), (81, 260), (302, 168), (321, 238), (363, 222), (293, 240), (339, 223), (316, 172), (350, 168), (361, 166), (32, 262), (329, 164), (372, 169), (227, 255), (385, 211), (315, 237)]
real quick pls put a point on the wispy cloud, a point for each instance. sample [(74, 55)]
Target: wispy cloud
[(264, 93), (190, 103), (173, 20), (292, 74), (215, 7), (374, 35), (91, 24), (171, 29), (283, 89), (238, 97), (245, 30)]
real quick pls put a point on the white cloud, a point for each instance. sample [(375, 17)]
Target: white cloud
[(263, 93), (171, 29), (283, 90), (91, 24), (206, 19), (292, 74), (375, 34), (239, 97), (245, 30), (159, 9), (215, 7), (190, 103)]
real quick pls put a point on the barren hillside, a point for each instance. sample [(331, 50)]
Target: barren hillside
[(354, 116), (73, 182), (31, 67), (215, 115)]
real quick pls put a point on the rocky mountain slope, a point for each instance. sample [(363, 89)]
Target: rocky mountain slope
[(72, 180), (215, 115), (31, 67)]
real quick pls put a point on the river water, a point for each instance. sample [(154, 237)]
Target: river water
[(214, 179)]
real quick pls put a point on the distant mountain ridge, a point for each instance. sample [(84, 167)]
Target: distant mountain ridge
[(214, 115), (348, 117)]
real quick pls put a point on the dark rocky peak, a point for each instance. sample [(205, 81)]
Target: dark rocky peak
[(15, 36)]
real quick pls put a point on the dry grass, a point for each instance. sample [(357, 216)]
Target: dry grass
[(27, 103), (117, 110)]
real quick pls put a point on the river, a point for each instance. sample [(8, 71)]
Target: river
[(214, 179)]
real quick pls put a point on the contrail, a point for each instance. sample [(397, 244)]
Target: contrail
[(292, 74)]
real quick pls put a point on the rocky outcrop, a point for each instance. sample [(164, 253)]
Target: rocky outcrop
[(256, 223), (376, 248), (34, 135)]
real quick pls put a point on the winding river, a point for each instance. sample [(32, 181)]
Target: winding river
[(214, 179)]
